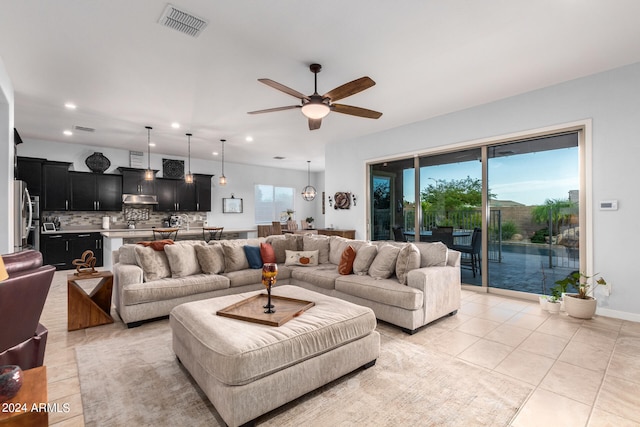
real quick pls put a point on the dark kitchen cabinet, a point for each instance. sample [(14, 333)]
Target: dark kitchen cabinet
[(203, 192), (55, 183), (29, 170), (95, 192), (133, 181), (175, 195), (60, 249)]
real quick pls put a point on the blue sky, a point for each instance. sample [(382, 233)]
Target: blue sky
[(529, 179)]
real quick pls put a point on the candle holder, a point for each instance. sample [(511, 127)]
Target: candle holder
[(269, 274)]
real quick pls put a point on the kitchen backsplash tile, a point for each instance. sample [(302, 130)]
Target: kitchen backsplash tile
[(142, 217)]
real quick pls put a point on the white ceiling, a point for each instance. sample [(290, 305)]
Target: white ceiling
[(428, 57)]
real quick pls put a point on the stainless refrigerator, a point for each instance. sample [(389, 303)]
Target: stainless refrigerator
[(27, 218)]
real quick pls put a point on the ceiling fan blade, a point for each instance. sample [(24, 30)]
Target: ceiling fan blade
[(355, 111), (349, 89), (271, 110), (283, 88), (314, 124)]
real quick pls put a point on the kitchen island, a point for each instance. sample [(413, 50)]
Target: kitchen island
[(113, 239)]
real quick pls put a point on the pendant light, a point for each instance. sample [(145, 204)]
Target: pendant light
[(148, 174), (188, 178), (309, 192), (223, 179)]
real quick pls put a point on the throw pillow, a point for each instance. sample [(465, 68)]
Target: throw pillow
[(319, 243), (346, 261), (182, 260), (210, 258), (154, 264), (384, 263), (433, 254), (157, 245), (408, 259), (303, 258), (234, 257), (364, 257), (267, 253), (253, 256), (280, 245)]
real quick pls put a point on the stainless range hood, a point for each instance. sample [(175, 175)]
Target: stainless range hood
[(139, 199)]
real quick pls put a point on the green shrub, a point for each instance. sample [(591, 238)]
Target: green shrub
[(540, 236), (509, 228)]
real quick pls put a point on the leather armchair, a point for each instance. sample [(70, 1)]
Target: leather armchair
[(22, 338)]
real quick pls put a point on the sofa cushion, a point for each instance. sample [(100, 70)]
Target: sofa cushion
[(433, 254), (323, 275), (317, 242), (253, 256), (337, 245), (303, 258), (385, 291), (346, 261), (384, 264), (182, 260), (127, 254), (281, 244), (365, 255), (408, 259), (234, 257), (267, 253), (154, 264), (210, 258), (170, 288)]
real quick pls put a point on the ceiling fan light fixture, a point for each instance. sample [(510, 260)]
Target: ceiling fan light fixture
[(315, 110), (309, 192)]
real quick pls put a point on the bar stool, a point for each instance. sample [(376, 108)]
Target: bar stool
[(165, 233), (212, 233)]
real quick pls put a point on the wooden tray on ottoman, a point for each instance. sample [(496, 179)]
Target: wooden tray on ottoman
[(252, 309)]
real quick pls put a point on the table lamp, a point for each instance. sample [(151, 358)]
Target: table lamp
[(3, 271)]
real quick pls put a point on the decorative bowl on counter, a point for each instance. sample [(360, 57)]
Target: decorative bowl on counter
[(10, 381)]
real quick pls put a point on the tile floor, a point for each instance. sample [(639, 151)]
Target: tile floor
[(585, 373)]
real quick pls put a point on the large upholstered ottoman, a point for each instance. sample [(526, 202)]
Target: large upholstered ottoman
[(247, 369)]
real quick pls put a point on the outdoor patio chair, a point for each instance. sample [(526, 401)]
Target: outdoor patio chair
[(443, 234), (398, 234), (473, 250)]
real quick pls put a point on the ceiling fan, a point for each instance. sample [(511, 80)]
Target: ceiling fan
[(316, 106)]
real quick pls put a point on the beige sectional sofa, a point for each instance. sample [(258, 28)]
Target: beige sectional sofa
[(406, 284)]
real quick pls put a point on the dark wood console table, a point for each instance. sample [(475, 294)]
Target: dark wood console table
[(347, 234)]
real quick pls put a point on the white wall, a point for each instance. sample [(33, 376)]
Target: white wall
[(6, 161), (240, 178), (611, 99)]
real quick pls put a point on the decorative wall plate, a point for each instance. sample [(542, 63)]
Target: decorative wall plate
[(172, 168), (342, 200), (97, 162)]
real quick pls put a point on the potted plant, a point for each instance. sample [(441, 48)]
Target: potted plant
[(583, 304), (553, 301), (290, 213), (309, 221)]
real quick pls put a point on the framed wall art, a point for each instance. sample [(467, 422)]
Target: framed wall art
[(342, 200), (231, 205)]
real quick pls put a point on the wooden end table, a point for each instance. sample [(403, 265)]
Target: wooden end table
[(19, 410), (94, 309)]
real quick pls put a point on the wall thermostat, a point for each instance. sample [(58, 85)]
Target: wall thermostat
[(609, 205)]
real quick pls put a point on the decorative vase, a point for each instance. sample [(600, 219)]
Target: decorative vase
[(10, 381), (97, 162), (580, 308), (553, 307)]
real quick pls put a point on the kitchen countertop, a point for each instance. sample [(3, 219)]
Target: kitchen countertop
[(138, 232)]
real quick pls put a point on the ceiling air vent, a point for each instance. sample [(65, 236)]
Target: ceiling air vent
[(84, 129), (182, 21)]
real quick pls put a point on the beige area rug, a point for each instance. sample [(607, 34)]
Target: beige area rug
[(135, 379)]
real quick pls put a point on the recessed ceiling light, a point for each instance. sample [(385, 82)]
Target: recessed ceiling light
[(279, 157), (68, 132), (152, 144), (215, 153), (249, 139), (175, 125), (70, 106)]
